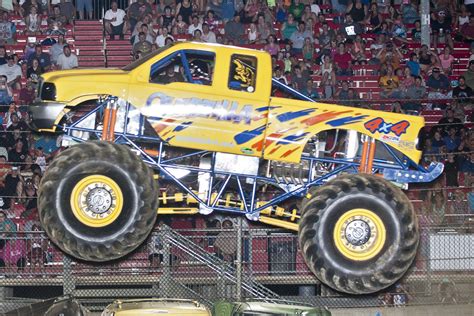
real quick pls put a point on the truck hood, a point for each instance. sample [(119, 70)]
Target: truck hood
[(88, 73)]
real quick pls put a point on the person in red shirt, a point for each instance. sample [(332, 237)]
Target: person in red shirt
[(343, 61)]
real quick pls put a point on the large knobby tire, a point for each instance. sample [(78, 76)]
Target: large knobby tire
[(97, 201), (358, 233)]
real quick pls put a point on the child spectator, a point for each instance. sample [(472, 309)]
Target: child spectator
[(416, 32), (446, 60), (35, 70), (413, 65)]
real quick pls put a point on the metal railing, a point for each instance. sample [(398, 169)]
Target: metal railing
[(201, 264)]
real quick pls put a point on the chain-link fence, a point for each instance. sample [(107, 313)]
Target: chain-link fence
[(211, 264)]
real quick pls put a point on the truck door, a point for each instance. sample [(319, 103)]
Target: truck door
[(193, 101)]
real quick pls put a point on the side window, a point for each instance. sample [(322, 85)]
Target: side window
[(168, 70), (243, 73), (186, 66), (201, 67)]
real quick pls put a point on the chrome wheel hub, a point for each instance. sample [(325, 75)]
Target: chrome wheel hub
[(97, 198), (357, 232)]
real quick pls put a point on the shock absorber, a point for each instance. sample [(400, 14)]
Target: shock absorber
[(110, 118)]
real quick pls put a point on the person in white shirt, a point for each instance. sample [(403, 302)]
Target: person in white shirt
[(195, 25), (208, 36), (67, 60), (115, 21), (161, 39), (12, 71)]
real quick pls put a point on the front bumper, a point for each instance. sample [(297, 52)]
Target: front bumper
[(43, 115)]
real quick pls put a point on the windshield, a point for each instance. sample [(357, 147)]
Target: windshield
[(145, 58)]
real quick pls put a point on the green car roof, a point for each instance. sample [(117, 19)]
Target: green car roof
[(254, 307)]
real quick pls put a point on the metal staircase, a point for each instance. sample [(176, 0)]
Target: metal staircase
[(221, 267)]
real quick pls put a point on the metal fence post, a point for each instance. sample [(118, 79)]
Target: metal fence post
[(165, 280), (239, 259), (68, 280), (250, 254)]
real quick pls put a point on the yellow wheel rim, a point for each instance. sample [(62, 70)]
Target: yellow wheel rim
[(96, 201), (359, 234)]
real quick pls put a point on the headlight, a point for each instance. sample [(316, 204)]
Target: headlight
[(48, 91)]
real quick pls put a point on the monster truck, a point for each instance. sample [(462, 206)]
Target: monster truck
[(204, 122)]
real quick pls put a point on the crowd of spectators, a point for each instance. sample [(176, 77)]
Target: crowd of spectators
[(323, 42), (317, 47)]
